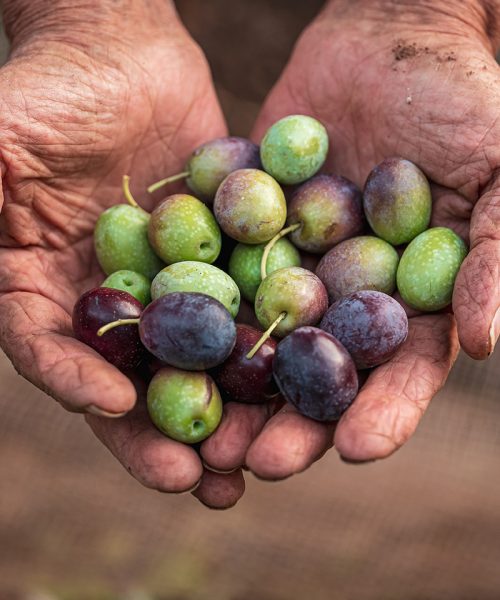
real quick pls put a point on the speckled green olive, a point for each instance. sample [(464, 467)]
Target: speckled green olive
[(250, 206), (244, 264), (136, 284), (294, 291), (184, 405), (183, 228), (360, 263), (294, 149), (121, 241), (194, 276), (428, 268), (397, 201)]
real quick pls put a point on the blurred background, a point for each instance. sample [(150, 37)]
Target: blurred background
[(423, 525)]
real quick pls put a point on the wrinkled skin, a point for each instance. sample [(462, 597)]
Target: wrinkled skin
[(76, 114), (61, 166), (438, 108)]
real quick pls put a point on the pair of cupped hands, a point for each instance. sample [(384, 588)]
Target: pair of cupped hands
[(89, 95)]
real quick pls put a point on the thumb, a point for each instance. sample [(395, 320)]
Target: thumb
[(476, 298)]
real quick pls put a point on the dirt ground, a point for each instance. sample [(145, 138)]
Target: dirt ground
[(423, 525)]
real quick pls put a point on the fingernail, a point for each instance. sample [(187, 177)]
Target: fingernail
[(494, 330), (272, 479), (99, 412), (188, 491), (353, 461), (219, 471)]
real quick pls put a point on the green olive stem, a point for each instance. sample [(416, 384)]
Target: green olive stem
[(156, 186), (105, 328), (127, 193), (270, 245), (266, 335)]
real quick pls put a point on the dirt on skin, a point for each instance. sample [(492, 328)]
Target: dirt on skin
[(403, 50)]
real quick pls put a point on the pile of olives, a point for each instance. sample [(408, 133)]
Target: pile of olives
[(176, 278)]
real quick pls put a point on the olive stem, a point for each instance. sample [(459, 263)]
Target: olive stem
[(266, 335), (270, 246), (156, 186), (105, 328), (127, 193)]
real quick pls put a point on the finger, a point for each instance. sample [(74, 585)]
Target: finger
[(153, 459), (476, 297), (220, 491), (36, 334), (226, 448), (288, 444), (388, 409)]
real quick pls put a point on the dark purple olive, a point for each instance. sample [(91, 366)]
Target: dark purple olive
[(371, 325), (121, 346), (248, 380), (315, 373), (188, 330)]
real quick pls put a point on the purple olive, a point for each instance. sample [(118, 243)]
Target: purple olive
[(315, 373), (371, 325), (212, 162), (188, 330), (360, 263), (248, 380), (329, 209), (121, 346), (397, 201)]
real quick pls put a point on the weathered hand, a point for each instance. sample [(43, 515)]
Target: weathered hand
[(417, 80), (89, 94)]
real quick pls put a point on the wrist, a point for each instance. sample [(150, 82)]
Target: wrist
[(448, 16), (84, 23)]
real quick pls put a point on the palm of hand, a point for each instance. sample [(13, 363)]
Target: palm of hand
[(74, 125), (432, 100)]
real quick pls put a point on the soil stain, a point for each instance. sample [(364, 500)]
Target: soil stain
[(403, 50)]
